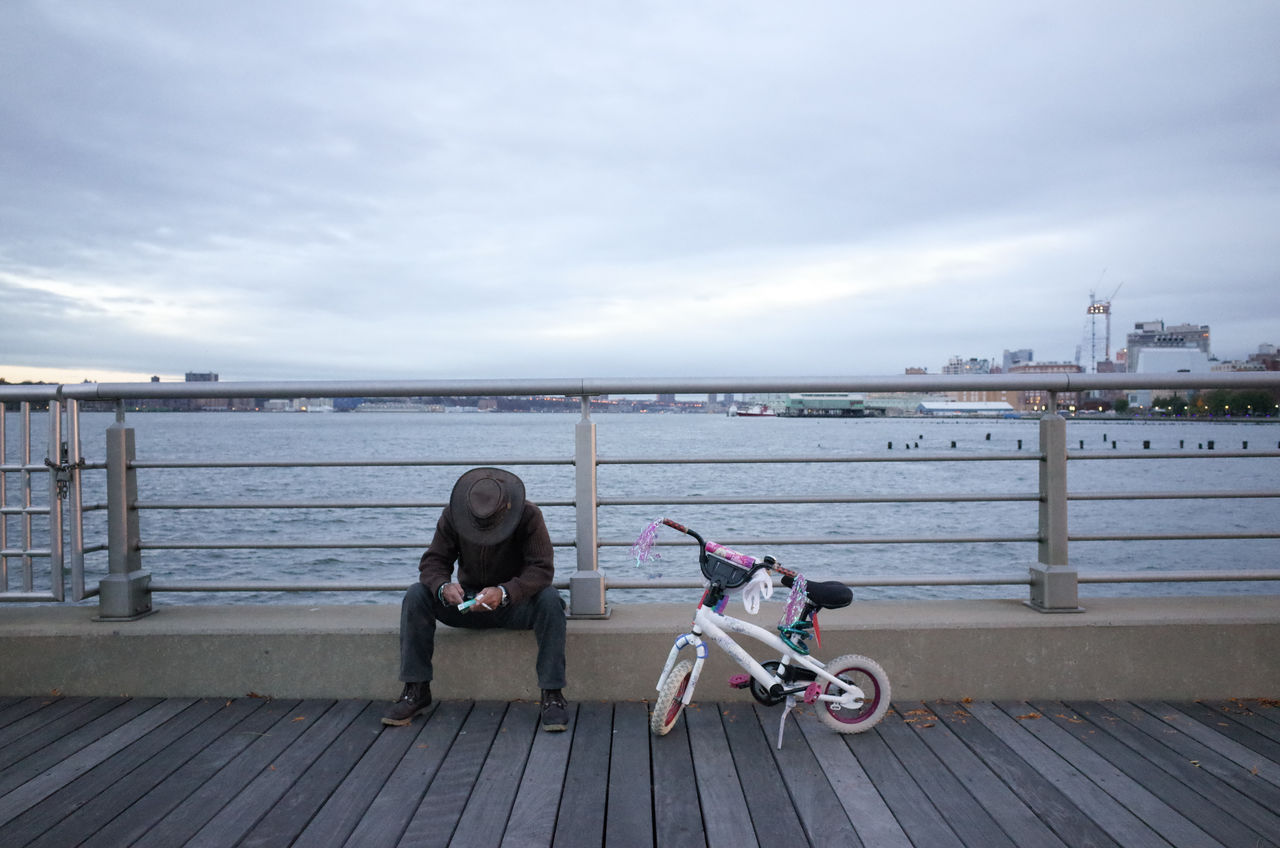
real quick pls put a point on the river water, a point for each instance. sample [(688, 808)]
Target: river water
[(489, 438)]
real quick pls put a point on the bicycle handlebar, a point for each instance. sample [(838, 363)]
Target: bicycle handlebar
[(737, 557)]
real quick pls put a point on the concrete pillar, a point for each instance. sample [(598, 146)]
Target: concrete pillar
[(586, 586), (1054, 583), (125, 593)]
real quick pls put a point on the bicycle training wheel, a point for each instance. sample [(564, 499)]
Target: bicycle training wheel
[(668, 706), (868, 676)]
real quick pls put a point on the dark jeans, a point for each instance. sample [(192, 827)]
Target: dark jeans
[(543, 614)]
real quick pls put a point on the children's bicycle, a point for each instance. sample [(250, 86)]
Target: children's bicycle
[(851, 692)]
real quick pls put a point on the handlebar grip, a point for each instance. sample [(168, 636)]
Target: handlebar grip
[(730, 554)]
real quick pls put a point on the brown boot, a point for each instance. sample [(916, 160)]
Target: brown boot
[(414, 700)]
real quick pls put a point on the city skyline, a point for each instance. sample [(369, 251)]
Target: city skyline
[(1117, 348), (326, 191)]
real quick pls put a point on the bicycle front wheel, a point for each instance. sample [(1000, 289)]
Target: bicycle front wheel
[(670, 702), (868, 676)]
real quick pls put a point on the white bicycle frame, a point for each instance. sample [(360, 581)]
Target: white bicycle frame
[(718, 626)]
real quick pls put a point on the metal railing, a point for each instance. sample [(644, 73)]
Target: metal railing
[(42, 486), (125, 591)]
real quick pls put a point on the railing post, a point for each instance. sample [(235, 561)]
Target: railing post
[(55, 459), (1054, 583), (125, 593), (586, 586), (75, 495)]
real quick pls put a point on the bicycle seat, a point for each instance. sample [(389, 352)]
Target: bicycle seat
[(828, 594)]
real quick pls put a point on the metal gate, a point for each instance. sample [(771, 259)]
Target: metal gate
[(39, 492)]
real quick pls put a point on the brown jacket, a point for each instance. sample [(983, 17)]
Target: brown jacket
[(522, 563)]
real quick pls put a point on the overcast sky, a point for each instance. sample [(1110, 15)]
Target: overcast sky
[(304, 189)]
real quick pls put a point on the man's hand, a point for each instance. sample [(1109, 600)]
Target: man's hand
[(452, 594), (489, 598)]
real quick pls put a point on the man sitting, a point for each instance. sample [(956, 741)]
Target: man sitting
[(505, 563)]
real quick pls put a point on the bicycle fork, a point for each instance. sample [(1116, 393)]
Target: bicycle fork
[(692, 639)]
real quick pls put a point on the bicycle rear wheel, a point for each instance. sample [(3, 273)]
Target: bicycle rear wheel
[(868, 676), (670, 703)]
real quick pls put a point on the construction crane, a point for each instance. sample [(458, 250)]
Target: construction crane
[(1099, 306)]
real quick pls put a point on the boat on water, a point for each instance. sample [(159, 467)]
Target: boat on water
[(758, 410)]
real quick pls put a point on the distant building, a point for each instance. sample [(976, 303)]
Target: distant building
[(825, 405), (953, 407), (1038, 399), (1017, 357), (1009, 397), (1154, 334), (957, 365), (213, 404), (1174, 360), (1266, 357), (973, 365)]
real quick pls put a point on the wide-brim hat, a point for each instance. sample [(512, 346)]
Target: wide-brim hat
[(487, 504)]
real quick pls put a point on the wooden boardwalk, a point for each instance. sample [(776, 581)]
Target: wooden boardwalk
[(254, 772)]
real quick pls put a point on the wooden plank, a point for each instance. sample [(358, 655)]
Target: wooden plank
[(1014, 817), (586, 780), (814, 801), (1222, 795), (98, 816), (725, 816), (174, 788), (533, 815), (290, 815), (17, 708), (485, 818), (912, 808), (1105, 811), (629, 820), (1168, 822), (143, 714), (960, 810), (1222, 744), (43, 743), (1191, 805), (1198, 755), (196, 810), (439, 814), (677, 816), (29, 716), (1050, 805), (316, 730), (772, 814), (13, 708), (342, 811), (1268, 708), (1251, 716), (89, 786), (391, 809), (872, 819), (1234, 727)]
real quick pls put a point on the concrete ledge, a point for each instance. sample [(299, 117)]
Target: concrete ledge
[(1133, 648)]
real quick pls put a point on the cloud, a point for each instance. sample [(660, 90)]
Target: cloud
[(369, 190)]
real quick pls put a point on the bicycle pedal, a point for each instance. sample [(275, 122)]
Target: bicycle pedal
[(740, 681)]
